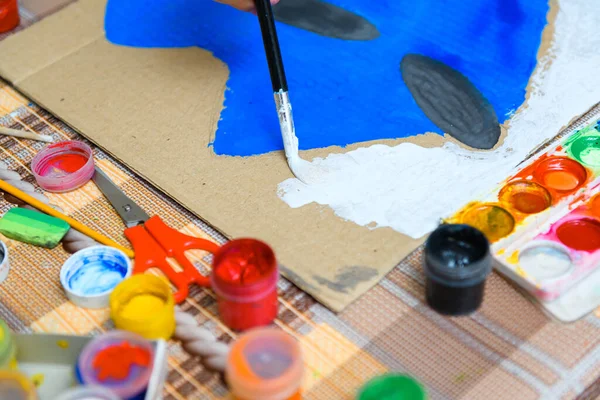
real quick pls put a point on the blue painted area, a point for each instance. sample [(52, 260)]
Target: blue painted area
[(96, 273), (343, 92)]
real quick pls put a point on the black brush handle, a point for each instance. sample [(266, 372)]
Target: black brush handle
[(272, 50)]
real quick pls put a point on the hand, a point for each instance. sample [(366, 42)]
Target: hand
[(244, 5)]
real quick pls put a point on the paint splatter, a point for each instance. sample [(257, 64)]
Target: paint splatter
[(340, 88), (37, 379)]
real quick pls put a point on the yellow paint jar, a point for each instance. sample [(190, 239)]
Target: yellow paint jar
[(16, 386), (144, 304), (8, 350)]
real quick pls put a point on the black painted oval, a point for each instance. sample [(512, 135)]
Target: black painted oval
[(324, 19), (451, 101)]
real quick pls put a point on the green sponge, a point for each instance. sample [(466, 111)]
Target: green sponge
[(33, 227)]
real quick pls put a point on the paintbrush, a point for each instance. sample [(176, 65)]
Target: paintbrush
[(78, 226), (302, 169), (25, 134)]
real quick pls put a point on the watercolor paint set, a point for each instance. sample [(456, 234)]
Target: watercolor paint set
[(543, 222)]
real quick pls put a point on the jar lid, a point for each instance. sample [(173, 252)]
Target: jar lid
[(392, 387), (63, 166)]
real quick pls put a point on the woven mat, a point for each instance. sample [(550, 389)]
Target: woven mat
[(508, 350)]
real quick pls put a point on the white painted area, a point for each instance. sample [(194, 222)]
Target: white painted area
[(409, 188)]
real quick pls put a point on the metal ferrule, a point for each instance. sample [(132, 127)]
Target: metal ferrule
[(286, 123)]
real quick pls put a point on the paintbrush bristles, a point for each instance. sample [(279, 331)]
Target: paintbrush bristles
[(25, 134)]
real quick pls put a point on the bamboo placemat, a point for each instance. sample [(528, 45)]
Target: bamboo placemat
[(508, 350)]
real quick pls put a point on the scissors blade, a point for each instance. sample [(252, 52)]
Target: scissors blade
[(131, 213)]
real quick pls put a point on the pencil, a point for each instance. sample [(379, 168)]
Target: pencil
[(25, 134), (78, 226)]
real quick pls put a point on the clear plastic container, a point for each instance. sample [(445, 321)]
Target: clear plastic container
[(122, 347), (265, 364), (63, 166)]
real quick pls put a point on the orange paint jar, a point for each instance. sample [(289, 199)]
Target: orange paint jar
[(9, 15), (265, 364)]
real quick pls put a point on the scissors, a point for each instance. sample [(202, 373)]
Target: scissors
[(154, 242)]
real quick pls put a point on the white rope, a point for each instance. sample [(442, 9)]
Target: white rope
[(200, 342)]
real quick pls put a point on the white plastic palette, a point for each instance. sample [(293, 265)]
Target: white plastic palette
[(542, 251)]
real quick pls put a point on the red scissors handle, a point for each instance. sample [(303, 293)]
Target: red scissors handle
[(156, 241)]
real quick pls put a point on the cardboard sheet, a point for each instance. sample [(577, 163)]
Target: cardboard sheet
[(157, 110)]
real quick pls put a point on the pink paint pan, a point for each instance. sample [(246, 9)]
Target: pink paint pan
[(64, 166)]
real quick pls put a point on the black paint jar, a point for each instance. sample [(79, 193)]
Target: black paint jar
[(457, 262)]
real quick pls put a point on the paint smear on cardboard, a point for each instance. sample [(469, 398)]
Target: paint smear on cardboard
[(409, 188)]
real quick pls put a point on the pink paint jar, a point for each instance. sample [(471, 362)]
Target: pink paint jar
[(244, 277), (64, 166)]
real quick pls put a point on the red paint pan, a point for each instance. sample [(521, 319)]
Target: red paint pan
[(64, 166)]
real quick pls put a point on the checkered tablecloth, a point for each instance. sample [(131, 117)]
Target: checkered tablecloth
[(508, 350)]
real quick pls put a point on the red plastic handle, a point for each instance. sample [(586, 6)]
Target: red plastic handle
[(176, 244), (149, 254)]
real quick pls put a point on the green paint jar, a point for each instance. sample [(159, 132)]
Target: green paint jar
[(8, 350), (392, 387)]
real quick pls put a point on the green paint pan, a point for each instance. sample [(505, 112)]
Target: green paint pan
[(33, 227)]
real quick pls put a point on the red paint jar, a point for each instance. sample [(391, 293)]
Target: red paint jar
[(244, 277), (9, 15)]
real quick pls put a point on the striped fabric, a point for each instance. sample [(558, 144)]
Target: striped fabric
[(508, 350)]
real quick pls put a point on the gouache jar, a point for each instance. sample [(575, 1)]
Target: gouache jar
[(90, 275), (63, 166), (392, 387), (119, 361), (244, 277), (4, 263), (16, 386), (265, 364), (8, 349), (457, 263), (144, 304), (9, 15)]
